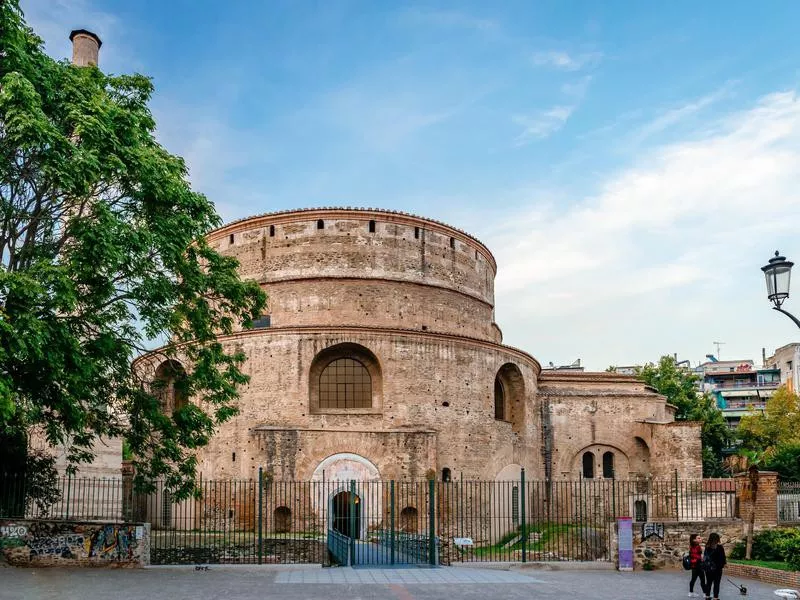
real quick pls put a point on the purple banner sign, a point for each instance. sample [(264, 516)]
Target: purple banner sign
[(625, 537)]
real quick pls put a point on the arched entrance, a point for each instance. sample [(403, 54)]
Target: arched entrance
[(342, 506)]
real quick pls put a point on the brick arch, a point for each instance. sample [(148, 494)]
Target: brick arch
[(363, 357), (169, 385), (598, 450), (509, 390)]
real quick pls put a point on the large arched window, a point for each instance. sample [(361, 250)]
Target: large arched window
[(345, 383), (169, 386), (588, 465), (345, 378), (499, 400), (608, 465)]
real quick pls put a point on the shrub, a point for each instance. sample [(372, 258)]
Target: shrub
[(738, 550), (790, 549), (770, 544)]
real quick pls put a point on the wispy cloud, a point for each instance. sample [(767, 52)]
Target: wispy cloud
[(542, 124), (686, 216), (556, 59)]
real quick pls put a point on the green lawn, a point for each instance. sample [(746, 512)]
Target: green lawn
[(770, 564)]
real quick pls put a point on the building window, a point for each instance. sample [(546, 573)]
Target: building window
[(416, 233), (169, 386), (320, 224), (230, 238), (588, 465), (446, 475), (282, 520), (372, 226), (499, 400), (272, 231), (608, 465), (453, 243), (345, 383), (262, 322), (640, 511), (409, 519)]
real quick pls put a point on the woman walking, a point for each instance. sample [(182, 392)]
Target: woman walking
[(713, 562), (696, 564)]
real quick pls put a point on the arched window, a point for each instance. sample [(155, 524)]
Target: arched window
[(169, 386), (608, 465), (588, 465), (446, 475), (282, 520), (499, 400), (345, 383)]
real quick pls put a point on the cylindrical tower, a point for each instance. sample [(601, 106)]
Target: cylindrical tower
[(85, 47)]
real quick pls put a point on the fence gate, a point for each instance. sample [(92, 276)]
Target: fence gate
[(385, 522)]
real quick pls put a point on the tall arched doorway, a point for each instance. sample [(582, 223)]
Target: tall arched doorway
[(342, 507)]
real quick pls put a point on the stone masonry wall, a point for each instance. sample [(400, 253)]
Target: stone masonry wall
[(39, 543), (667, 552)]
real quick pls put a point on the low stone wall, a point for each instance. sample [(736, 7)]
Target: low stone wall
[(666, 552), (274, 551), (776, 577), (40, 543)]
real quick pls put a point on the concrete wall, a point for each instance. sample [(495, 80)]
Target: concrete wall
[(40, 543)]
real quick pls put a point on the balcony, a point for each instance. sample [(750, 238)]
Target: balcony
[(731, 385), (739, 405)]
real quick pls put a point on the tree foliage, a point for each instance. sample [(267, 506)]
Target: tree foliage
[(102, 249), (680, 388)]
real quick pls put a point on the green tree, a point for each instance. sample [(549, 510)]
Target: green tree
[(680, 388), (101, 250), (778, 425)]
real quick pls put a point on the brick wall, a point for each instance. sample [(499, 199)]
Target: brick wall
[(766, 506), (782, 579)]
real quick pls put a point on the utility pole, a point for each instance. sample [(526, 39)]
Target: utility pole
[(718, 344)]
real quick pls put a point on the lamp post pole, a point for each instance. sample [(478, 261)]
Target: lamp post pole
[(778, 273)]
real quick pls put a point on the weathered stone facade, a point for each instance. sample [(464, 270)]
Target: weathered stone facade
[(410, 302)]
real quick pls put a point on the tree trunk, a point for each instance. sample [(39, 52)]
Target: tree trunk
[(750, 526)]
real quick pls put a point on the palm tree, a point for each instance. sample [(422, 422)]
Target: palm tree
[(752, 461)]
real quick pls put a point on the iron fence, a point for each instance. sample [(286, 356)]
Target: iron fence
[(378, 522), (789, 502)]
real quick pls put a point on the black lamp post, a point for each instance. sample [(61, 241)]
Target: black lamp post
[(778, 273)]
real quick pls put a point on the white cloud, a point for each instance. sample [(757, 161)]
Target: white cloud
[(564, 61), (542, 124), (688, 218)]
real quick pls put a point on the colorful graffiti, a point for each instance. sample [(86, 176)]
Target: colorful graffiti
[(112, 542)]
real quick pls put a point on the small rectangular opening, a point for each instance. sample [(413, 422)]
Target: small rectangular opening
[(452, 242), (230, 238), (320, 224), (233, 457), (372, 226), (416, 233), (272, 231), (262, 322)]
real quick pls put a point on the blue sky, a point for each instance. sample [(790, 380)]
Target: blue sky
[(630, 164)]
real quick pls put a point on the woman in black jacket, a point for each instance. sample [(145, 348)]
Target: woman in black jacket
[(713, 562)]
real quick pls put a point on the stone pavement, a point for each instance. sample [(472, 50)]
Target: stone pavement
[(257, 583)]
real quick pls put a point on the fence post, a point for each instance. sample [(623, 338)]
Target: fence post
[(352, 527), (522, 511), (260, 513), (432, 522), (391, 519), (677, 509)]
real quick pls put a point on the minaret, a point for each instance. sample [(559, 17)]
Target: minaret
[(85, 47)]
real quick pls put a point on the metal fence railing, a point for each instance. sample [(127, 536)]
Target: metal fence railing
[(789, 502), (378, 522)]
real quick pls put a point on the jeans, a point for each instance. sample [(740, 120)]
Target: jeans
[(698, 573), (714, 577)]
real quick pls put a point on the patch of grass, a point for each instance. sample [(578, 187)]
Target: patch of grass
[(770, 564)]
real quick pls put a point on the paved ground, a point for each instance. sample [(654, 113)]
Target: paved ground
[(254, 583)]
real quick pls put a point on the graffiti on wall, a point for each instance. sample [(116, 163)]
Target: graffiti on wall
[(112, 542), (47, 542)]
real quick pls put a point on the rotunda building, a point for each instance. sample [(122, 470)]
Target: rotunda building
[(378, 358)]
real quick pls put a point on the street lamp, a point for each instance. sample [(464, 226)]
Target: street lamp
[(778, 273)]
